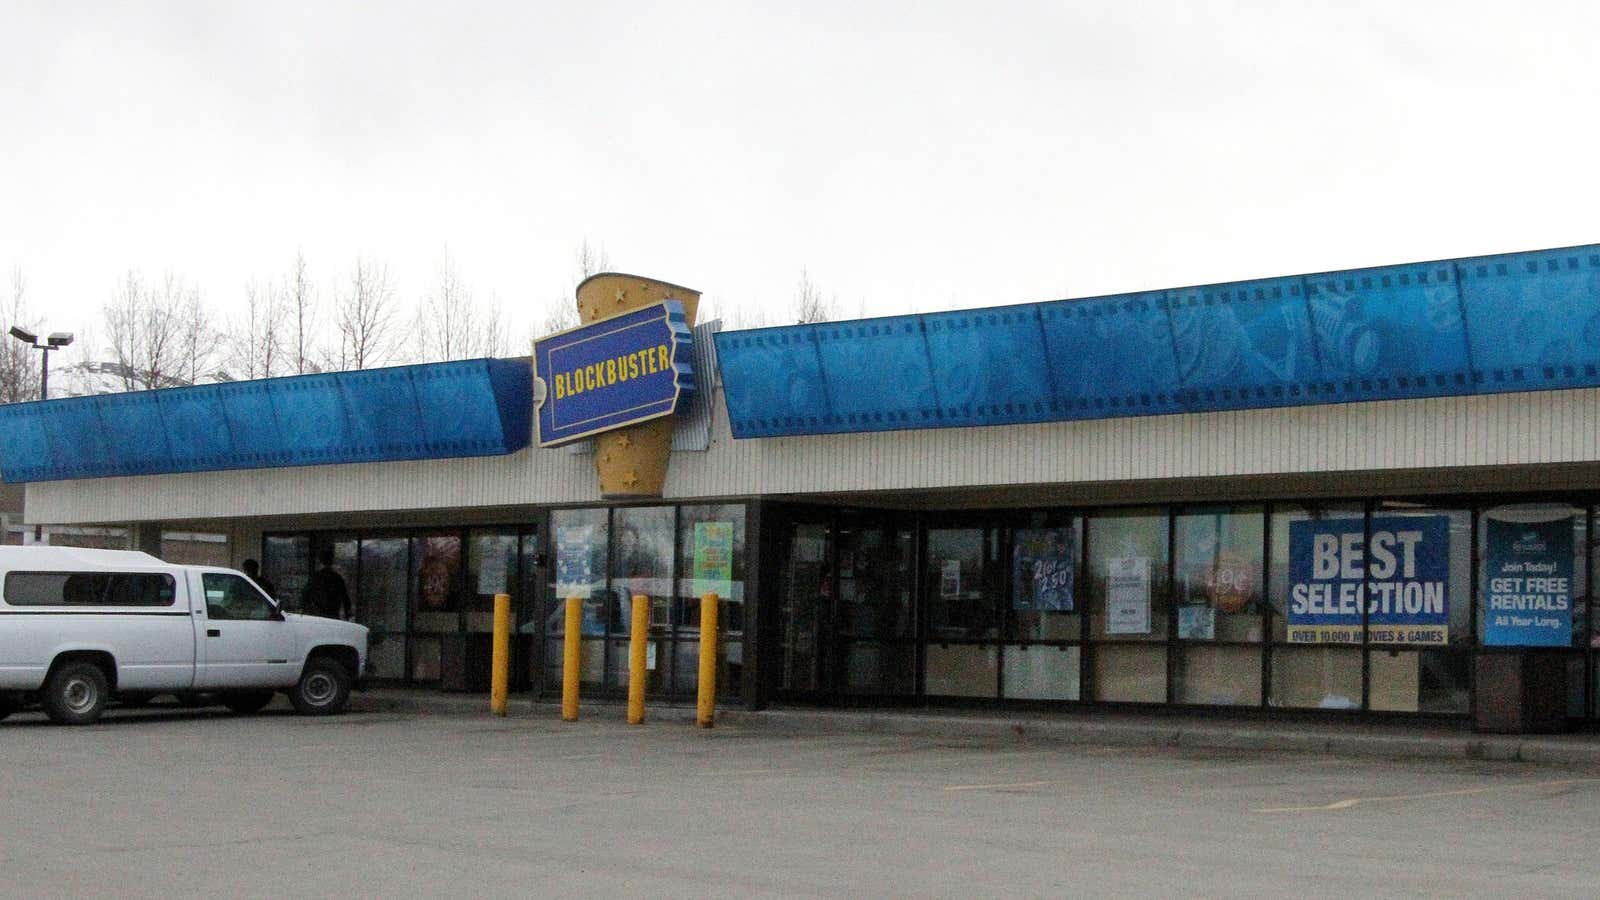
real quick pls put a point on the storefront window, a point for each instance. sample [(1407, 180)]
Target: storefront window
[(381, 603), (1316, 617), (435, 576), (286, 562), (1128, 604), (491, 569), (580, 539), (962, 565), (1533, 583), (711, 559), (1044, 603), (1532, 580), (964, 583), (1219, 570), (641, 562), (1128, 590), (1219, 573), (1418, 571)]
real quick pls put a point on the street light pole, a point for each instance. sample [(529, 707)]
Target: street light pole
[(55, 341)]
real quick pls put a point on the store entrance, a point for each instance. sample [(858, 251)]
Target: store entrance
[(847, 614)]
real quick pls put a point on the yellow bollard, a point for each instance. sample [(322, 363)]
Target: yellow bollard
[(571, 660), (500, 659), (636, 658), (708, 661)]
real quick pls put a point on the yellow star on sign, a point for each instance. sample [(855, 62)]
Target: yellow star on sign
[(622, 296), (630, 479), (623, 443)]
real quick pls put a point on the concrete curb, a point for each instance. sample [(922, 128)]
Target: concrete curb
[(1290, 738), (1354, 741)]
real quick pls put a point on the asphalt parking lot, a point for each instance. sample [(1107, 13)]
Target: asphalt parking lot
[(171, 802)]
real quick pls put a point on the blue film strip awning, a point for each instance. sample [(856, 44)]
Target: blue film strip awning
[(1514, 322), (479, 407)]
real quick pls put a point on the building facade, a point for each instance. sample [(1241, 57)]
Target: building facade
[(1366, 493)]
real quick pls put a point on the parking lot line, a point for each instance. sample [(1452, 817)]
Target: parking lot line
[(1350, 802)]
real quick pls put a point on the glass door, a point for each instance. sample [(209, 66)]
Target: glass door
[(381, 604), (873, 648), (806, 586)]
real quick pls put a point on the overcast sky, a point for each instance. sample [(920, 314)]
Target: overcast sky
[(911, 156)]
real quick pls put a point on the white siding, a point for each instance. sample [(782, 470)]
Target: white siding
[(1450, 432)]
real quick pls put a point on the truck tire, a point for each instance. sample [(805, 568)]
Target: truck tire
[(323, 689), (76, 694), (247, 702)]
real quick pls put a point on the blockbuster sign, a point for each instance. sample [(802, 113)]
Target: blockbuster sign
[(611, 373)]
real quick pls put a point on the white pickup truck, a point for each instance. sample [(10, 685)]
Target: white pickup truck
[(78, 627)]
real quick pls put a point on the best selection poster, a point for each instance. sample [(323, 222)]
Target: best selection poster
[(713, 558), (1528, 584), (1042, 569), (1128, 595), (1404, 581)]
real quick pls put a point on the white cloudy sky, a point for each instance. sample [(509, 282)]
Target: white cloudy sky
[(910, 155)]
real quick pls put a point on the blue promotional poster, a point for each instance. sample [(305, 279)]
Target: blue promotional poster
[(1528, 584), (1042, 564), (575, 577), (612, 373), (1402, 580)]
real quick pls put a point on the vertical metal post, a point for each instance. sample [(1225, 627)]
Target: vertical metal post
[(708, 661), (571, 661), (500, 659), (44, 374), (639, 634)]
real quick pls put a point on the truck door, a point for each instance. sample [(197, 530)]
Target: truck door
[(245, 642)]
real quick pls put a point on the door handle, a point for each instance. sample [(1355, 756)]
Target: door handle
[(213, 632)]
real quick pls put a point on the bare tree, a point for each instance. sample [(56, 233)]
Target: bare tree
[(197, 337), (592, 260), (447, 322), (367, 317), (19, 370), (493, 339), (809, 305), (149, 329), (300, 295), (255, 338), (557, 314), (561, 312)]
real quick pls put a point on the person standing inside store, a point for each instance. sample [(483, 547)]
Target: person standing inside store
[(326, 594), (252, 570)]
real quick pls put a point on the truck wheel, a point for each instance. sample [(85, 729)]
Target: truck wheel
[(76, 694), (323, 690), (247, 702)]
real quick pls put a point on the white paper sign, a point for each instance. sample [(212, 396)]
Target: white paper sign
[(950, 579), (1128, 595), (492, 569)]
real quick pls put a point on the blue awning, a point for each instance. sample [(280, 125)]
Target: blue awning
[(1514, 322), (480, 407)]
